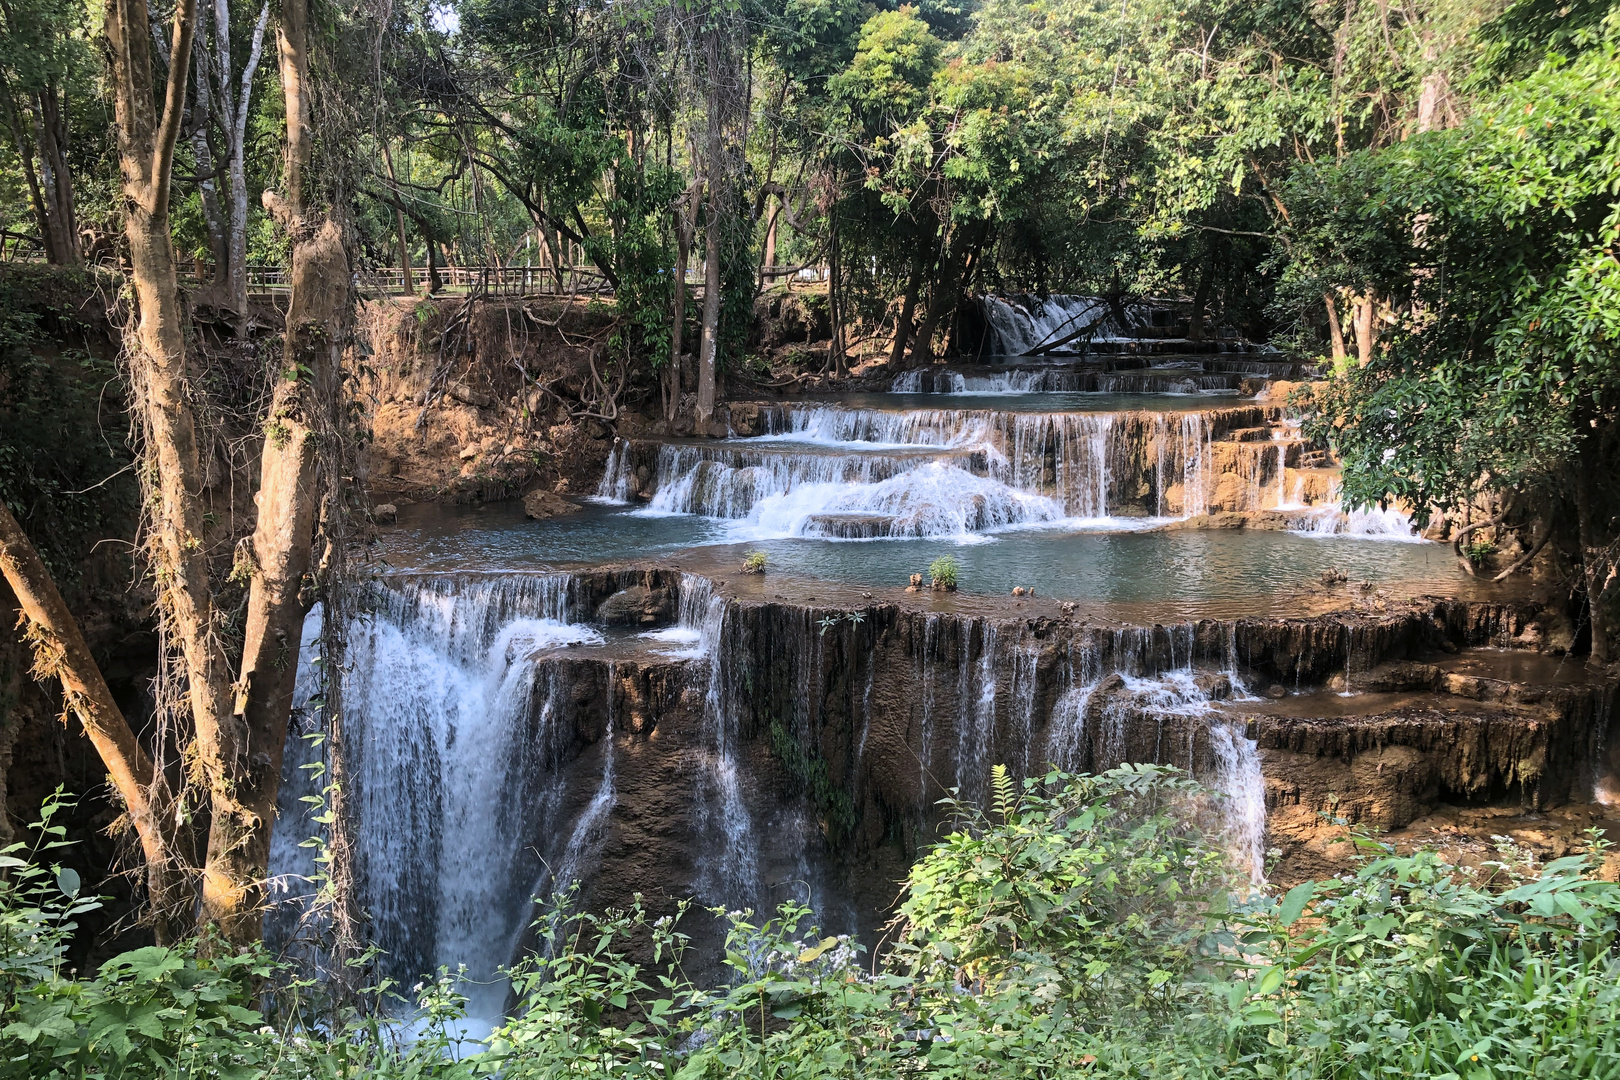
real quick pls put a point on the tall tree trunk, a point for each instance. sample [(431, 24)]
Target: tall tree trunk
[(1594, 549), (146, 155), (685, 213), (318, 316), (203, 152), (709, 356), (908, 308), (768, 259), (715, 168), (835, 300), (52, 135), (60, 652), (399, 224), (1335, 331), (1366, 324), (235, 105), (25, 154), (1195, 322)]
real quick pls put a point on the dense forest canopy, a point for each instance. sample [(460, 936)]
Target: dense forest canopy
[(1423, 188), (1310, 170)]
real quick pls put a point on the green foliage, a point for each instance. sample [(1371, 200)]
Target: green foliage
[(943, 571), (1080, 926), (1506, 374), (754, 562), (807, 773), (1085, 890)]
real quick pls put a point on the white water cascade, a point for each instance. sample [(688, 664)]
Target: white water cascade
[(1117, 684), (851, 473), (727, 845), (455, 726)]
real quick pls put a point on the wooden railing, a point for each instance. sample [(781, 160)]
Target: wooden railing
[(495, 280)]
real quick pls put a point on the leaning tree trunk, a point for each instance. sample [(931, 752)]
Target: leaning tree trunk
[(908, 308), (1335, 331), (60, 652)]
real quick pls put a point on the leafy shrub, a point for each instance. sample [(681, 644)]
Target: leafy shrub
[(943, 572), (1082, 926), (754, 562)]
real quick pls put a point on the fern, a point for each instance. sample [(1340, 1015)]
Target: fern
[(1005, 803)]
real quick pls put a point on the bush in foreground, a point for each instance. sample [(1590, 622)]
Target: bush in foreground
[(1083, 926)]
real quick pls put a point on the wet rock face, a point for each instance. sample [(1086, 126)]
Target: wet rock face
[(637, 606), (783, 750)]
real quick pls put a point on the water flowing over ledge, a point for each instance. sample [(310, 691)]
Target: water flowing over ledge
[(643, 730), (856, 473)]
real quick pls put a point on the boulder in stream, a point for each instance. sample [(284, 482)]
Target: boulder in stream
[(543, 505)]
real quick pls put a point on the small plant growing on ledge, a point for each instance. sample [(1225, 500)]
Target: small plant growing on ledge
[(943, 571), (754, 562)]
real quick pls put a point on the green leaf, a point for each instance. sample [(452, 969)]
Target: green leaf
[(1293, 904), (67, 879)]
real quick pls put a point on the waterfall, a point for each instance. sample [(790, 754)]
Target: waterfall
[(618, 479), (590, 830), (1066, 733), (728, 859), (1023, 323), (1236, 775), (1195, 451), (456, 723), (1059, 380), (1146, 678), (872, 473), (976, 728)]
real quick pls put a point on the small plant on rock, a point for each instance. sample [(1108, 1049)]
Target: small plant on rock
[(943, 571), (754, 562)]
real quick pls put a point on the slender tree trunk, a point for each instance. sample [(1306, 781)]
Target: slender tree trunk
[(235, 107), (908, 307), (399, 224), (1195, 323), (60, 652), (52, 136), (769, 259), (202, 148), (835, 301), (1593, 550), (709, 356), (685, 225), (709, 350), (25, 154), (1366, 324), (1335, 331)]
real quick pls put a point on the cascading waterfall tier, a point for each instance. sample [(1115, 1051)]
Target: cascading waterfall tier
[(501, 743), (1064, 324), (858, 473)]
